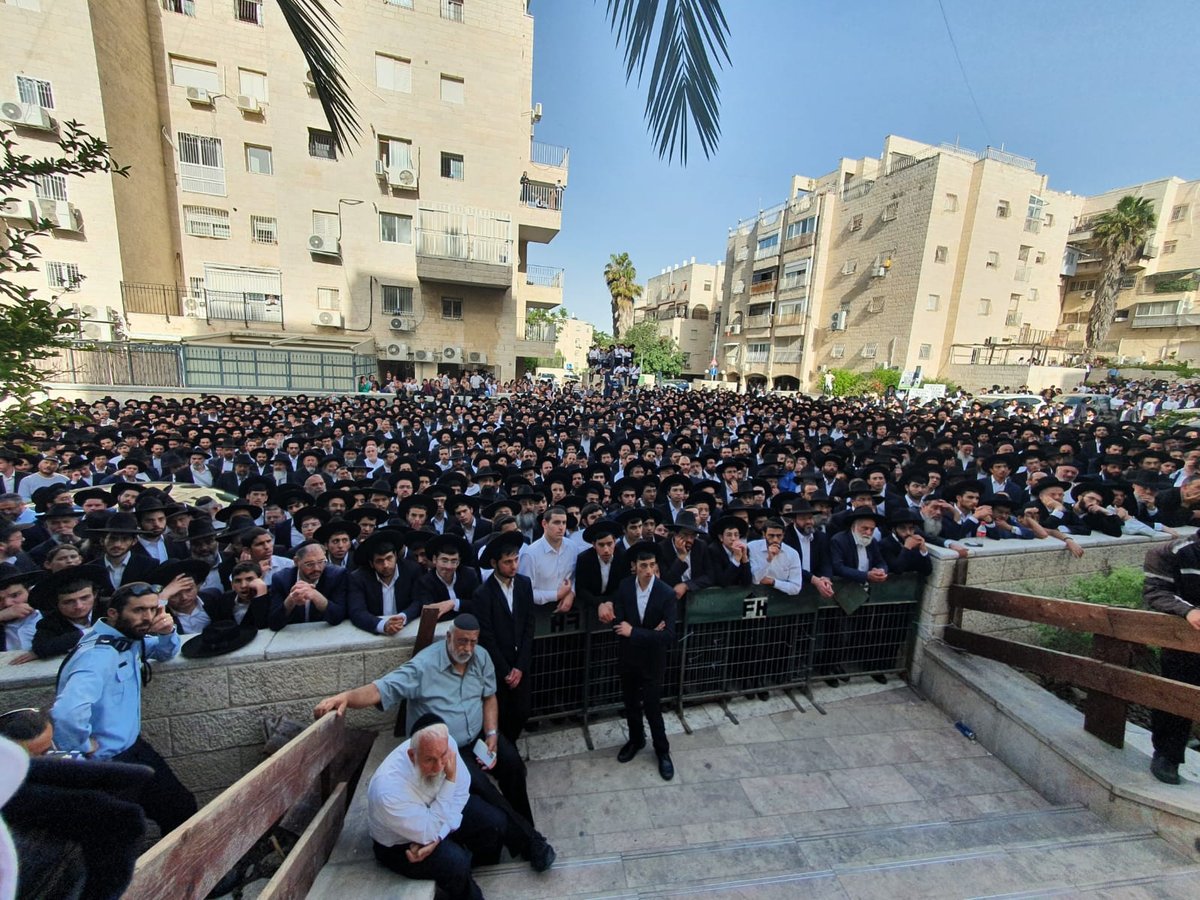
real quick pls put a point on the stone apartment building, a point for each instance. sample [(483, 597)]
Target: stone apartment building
[(685, 300), (243, 245), (930, 256), (1156, 316)]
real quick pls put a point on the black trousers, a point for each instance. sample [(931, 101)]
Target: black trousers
[(642, 693), (476, 841), (1170, 732), (508, 793), (515, 705), (164, 798)]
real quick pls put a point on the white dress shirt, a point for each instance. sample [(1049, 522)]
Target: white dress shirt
[(547, 568), (786, 568), (402, 809), (643, 598), (389, 600)]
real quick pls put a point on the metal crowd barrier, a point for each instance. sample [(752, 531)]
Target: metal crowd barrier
[(729, 641)]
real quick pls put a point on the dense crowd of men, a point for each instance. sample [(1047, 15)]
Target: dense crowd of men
[(373, 508)]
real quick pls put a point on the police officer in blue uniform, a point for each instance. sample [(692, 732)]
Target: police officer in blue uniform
[(98, 710)]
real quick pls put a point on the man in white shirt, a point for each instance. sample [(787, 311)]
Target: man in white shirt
[(424, 823), (18, 619), (773, 563), (549, 562)]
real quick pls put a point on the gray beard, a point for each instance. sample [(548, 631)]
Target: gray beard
[(527, 521), (433, 782)]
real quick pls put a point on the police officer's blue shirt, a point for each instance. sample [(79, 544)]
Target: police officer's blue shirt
[(100, 692)]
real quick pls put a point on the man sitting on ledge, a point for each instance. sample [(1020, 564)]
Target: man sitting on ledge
[(457, 683)]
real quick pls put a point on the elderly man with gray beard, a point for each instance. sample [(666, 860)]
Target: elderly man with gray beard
[(424, 823)]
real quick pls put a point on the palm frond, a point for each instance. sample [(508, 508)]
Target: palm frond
[(317, 35), (683, 91)]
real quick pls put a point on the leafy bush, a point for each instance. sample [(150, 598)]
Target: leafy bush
[(1120, 587), (846, 383)]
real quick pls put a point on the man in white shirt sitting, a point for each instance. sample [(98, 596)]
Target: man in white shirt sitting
[(424, 822)]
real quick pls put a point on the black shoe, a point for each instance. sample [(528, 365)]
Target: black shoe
[(840, 673), (763, 695), (1164, 771), (541, 855), (829, 678), (630, 750), (666, 768), (879, 677)]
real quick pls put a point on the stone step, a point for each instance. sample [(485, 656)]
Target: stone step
[(1009, 852)]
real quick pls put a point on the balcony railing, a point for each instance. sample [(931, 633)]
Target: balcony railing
[(545, 276), (153, 299), (767, 251), (1185, 320), (762, 321), (467, 247), (244, 307), (548, 155), (762, 287), (546, 332), (757, 357), (788, 356), (541, 196), (785, 319)]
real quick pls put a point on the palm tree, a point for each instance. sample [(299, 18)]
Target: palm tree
[(621, 278), (683, 93), (1121, 235)]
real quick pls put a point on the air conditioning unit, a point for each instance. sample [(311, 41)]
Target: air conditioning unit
[(395, 351), (95, 331), (423, 355), (195, 307), (402, 323), (21, 210), (1073, 326), (88, 312), (199, 96), (478, 359), (1087, 294), (734, 329), (249, 104), (837, 322), (27, 115), (328, 319), (324, 245), (61, 214), (403, 178), (452, 354)]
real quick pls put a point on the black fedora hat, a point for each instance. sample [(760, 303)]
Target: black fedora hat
[(10, 575), (199, 528), (647, 547), (731, 522), (904, 516), (602, 528), (336, 526), (500, 507), (217, 639), (61, 511), (500, 545), (165, 573), (240, 506), (451, 543), (120, 523), (44, 594), (686, 521), (379, 542)]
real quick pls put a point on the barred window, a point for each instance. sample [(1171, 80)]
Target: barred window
[(320, 144), (264, 230), (397, 300), (35, 90), (63, 275), (206, 221)]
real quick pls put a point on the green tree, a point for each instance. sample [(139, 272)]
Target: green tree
[(602, 339), (34, 328), (621, 278), (1121, 233), (657, 355), (682, 94)]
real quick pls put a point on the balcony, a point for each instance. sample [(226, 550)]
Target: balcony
[(540, 210), (536, 339), (1184, 320), (757, 357), (543, 287), (550, 156), (762, 321), (464, 245), (788, 356), (762, 287)]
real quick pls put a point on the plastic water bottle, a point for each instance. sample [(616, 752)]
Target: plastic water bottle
[(965, 730)]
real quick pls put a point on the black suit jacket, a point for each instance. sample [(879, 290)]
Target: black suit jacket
[(364, 595), (507, 636), (900, 560), (24, 562), (845, 557), (431, 589), (220, 604), (645, 651), (821, 560), (700, 576), (55, 635), (724, 572), (138, 568), (587, 574), (332, 584)]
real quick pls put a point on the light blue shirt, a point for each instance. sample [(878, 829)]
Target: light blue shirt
[(431, 684), (100, 692)]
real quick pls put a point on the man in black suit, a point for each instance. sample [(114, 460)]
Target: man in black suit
[(467, 522), (504, 607), (600, 568), (247, 603), (645, 625), (813, 546), (310, 591), (243, 468), (453, 581), (858, 557), (379, 592), (997, 478), (688, 569), (120, 563)]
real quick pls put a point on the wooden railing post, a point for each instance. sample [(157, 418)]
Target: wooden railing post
[(1103, 714)]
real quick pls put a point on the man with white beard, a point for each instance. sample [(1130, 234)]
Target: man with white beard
[(423, 820)]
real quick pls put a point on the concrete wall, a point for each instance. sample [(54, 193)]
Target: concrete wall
[(977, 379), (206, 716)]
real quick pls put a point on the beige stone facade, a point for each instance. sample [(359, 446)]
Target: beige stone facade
[(923, 257), (241, 226), (1156, 317), (685, 300)]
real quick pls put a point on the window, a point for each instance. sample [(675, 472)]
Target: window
[(993, 259), (1179, 213), (757, 352), (870, 350), (795, 275), (1161, 308), (63, 275), (941, 254), (1003, 209), (875, 304), (201, 164), (932, 302), (392, 73), (1048, 219), (451, 307), (183, 7), (453, 166), (326, 224), (1023, 253), (406, 4), (837, 351), (264, 230), (925, 351), (849, 267), (1169, 247), (249, 11), (205, 221), (396, 300), (253, 84), (328, 299), (452, 10), (856, 222), (35, 90), (768, 245), (194, 73), (951, 203), (452, 89), (891, 211), (795, 308), (258, 160), (395, 153), (50, 187), (320, 144), (708, 285), (1040, 257), (802, 226), (395, 228), (1082, 284), (985, 307), (1033, 295)]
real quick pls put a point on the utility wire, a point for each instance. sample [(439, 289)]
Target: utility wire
[(963, 69)]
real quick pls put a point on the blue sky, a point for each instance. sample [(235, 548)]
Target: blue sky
[(1101, 93)]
